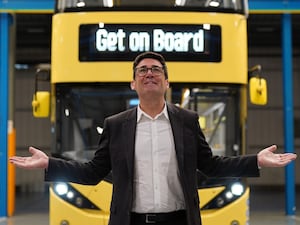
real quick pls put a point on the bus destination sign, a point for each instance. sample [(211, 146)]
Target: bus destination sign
[(122, 42)]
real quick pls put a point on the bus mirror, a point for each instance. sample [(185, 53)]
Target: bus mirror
[(258, 91), (41, 104), (41, 99)]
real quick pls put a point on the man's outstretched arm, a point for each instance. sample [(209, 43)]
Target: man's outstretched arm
[(38, 160), (267, 158)]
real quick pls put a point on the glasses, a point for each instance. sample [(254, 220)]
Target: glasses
[(155, 70)]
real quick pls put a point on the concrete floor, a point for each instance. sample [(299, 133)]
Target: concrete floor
[(267, 208), (31, 209)]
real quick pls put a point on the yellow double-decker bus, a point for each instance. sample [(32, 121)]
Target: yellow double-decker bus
[(94, 43)]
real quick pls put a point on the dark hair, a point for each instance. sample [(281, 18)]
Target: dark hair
[(150, 55)]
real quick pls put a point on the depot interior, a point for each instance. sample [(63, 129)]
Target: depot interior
[(265, 124)]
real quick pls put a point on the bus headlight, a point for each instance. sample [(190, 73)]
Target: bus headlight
[(66, 192), (237, 189), (229, 194), (61, 188)]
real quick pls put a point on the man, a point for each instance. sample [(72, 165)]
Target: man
[(153, 151)]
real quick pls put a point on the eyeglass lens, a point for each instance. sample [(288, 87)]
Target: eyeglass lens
[(142, 71)]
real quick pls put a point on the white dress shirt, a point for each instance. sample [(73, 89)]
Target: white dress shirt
[(156, 177)]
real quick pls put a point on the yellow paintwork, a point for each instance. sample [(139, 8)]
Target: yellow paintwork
[(100, 195), (41, 104), (11, 171), (238, 211), (243, 118), (258, 91), (206, 194), (233, 69), (67, 68), (60, 211)]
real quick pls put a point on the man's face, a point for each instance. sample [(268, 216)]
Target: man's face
[(150, 82)]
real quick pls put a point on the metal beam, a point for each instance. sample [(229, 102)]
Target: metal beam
[(27, 6), (274, 6), (5, 21), (288, 101), (255, 6)]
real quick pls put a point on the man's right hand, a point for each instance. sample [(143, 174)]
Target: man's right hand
[(38, 160)]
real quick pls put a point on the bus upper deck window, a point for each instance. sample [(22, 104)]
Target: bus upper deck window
[(219, 5)]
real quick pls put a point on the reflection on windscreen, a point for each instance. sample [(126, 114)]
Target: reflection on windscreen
[(236, 5), (82, 110), (217, 110), (82, 113)]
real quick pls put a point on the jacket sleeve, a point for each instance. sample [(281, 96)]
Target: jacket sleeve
[(91, 172), (223, 166)]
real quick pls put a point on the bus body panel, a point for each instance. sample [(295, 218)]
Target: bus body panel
[(236, 213), (218, 94), (65, 45), (61, 211), (101, 194)]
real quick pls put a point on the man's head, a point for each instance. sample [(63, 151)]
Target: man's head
[(150, 77), (150, 55)]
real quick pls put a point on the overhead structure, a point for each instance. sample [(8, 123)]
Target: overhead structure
[(274, 6), (255, 6), (27, 6)]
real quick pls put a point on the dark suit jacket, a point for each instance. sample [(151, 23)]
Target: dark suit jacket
[(116, 153)]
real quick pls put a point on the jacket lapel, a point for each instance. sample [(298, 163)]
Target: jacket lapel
[(176, 121), (129, 128)]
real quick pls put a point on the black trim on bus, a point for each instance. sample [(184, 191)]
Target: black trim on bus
[(150, 9)]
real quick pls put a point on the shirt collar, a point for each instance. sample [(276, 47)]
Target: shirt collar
[(141, 113)]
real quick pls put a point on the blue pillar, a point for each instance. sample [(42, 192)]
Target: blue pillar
[(4, 65), (287, 63)]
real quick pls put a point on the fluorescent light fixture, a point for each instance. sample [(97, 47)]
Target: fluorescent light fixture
[(99, 130), (214, 4), (206, 26), (67, 112), (179, 2), (108, 3), (101, 25), (80, 3)]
